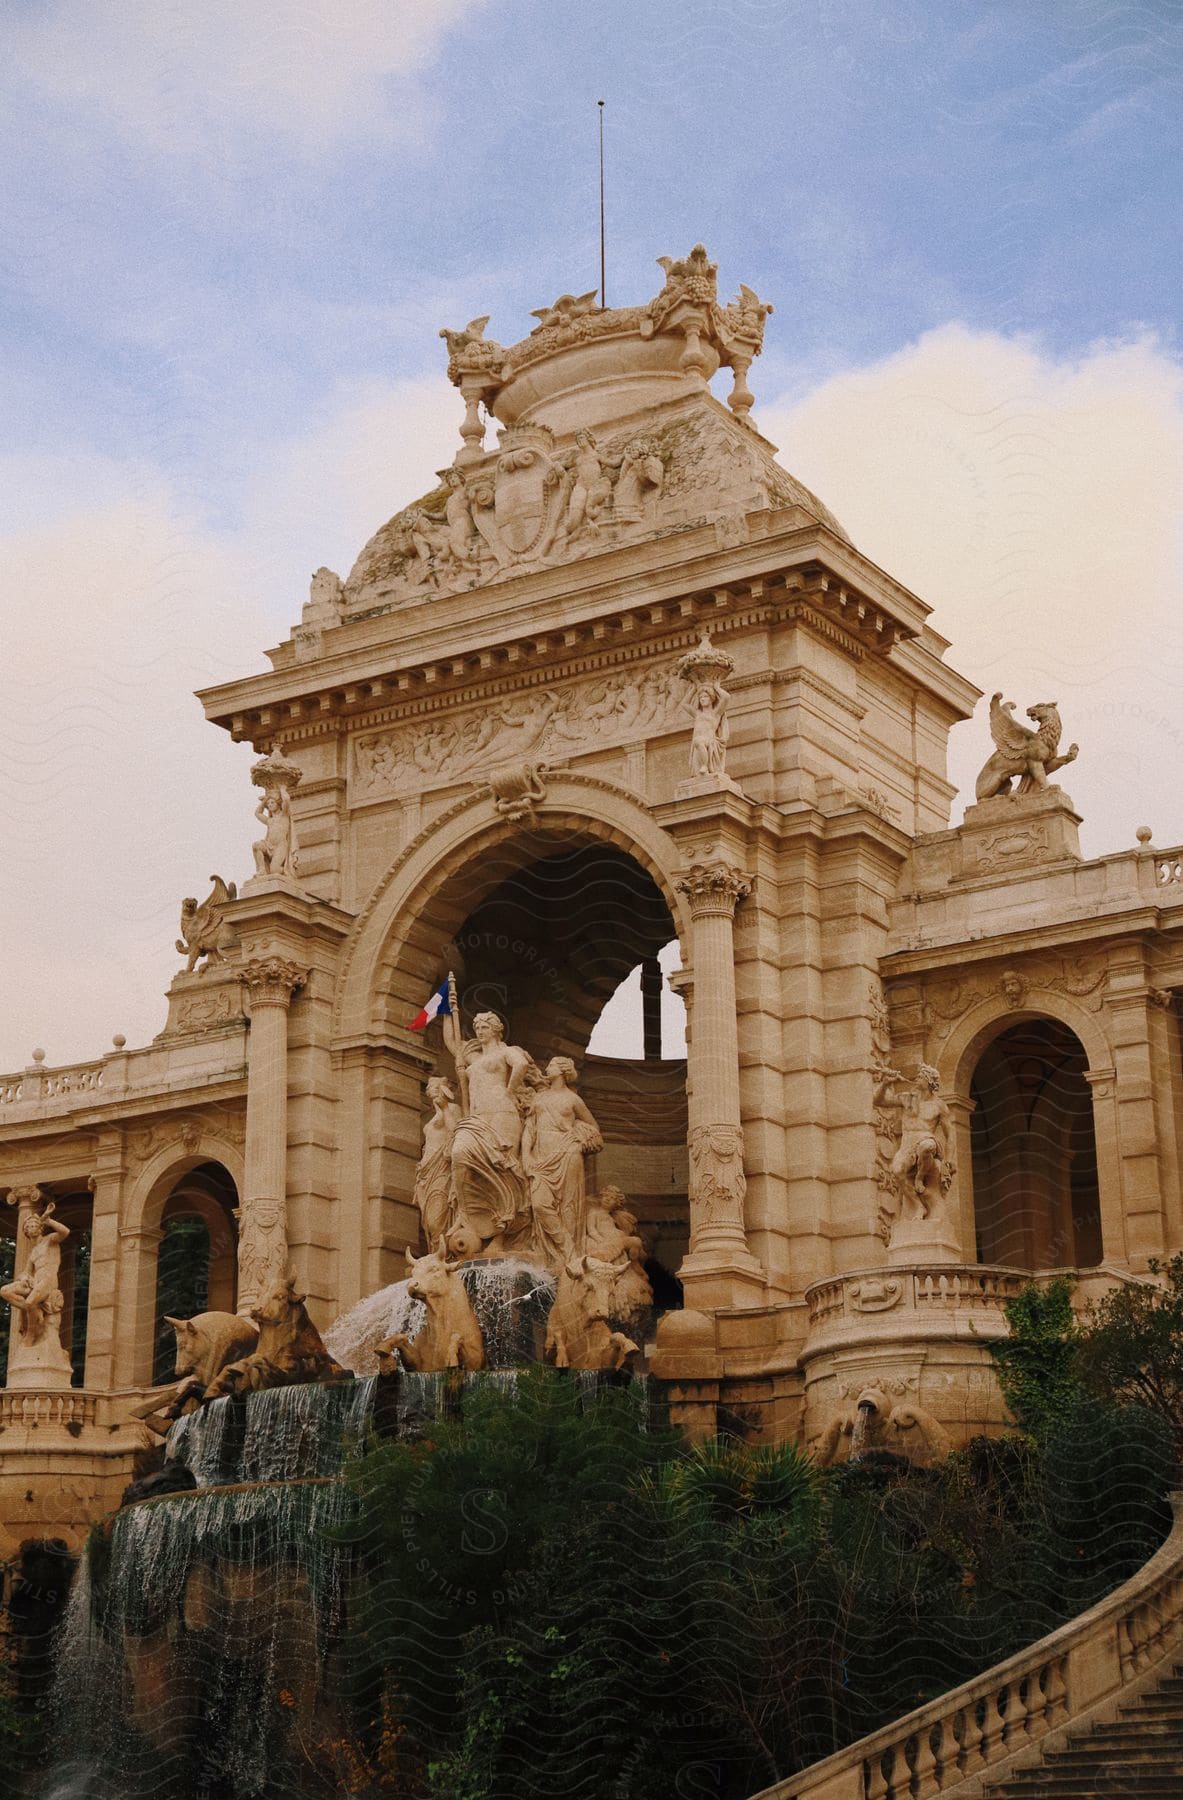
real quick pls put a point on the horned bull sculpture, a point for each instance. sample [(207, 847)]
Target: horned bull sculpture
[(451, 1336)]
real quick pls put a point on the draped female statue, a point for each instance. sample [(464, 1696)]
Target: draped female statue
[(488, 1181)]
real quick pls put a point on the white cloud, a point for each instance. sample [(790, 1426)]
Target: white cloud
[(116, 797), (1035, 504), (179, 78)]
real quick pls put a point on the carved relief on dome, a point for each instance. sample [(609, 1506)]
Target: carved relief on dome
[(535, 503)]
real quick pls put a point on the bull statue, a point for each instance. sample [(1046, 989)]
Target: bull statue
[(579, 1333), (289, 1349), (450, 1337), (205, 1344)]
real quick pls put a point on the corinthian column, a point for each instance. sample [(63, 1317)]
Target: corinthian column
[(262, 1213), (720, 1269)]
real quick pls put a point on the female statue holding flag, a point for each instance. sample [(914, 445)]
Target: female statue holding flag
[(488, 1181)]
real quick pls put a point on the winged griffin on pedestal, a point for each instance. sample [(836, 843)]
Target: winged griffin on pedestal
[(1024, 756)]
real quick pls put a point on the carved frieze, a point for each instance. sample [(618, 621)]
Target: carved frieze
[(198, 1012), (184, 1135), (540, 727), (533, 503), (946, 1000)]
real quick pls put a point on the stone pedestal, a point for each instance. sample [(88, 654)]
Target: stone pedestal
[(1017, 831), (695, 787), (923, 1241)]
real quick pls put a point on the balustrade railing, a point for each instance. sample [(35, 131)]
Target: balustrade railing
[(947, 1747), (59, 1406)]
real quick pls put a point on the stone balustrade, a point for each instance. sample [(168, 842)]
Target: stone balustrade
[(1004, 1719), (156, 1068), (919, 1290), (28, 1408), (85, 1078), (1169, 866)]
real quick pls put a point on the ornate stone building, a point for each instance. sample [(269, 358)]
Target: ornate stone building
[(618, 679)]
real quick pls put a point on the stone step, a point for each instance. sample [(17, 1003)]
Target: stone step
[(1108, 1783)]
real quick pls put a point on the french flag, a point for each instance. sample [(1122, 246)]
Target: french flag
[(439, 1003)]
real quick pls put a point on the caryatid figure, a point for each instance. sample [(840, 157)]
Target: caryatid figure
[(433, 1177)]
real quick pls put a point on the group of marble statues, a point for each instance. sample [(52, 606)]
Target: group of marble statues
[(503, 1165)]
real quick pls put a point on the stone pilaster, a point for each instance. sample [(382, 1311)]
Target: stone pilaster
[(106, 1186), (720, 1270), (135, 1341), (262, 1213)]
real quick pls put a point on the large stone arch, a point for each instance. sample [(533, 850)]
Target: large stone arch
[(579, 806), (393, 957), (958, 1055), (958, 1058)]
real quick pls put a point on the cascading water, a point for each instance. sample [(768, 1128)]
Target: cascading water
[(280, 1434), (206, 1621), (199, 1645), (511, 1299)]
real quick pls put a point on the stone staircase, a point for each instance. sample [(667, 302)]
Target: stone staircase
[(1140, 1752), (1092, 1712)]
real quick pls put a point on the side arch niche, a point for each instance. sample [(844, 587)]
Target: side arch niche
[(1036, 1186), (178, 1243)]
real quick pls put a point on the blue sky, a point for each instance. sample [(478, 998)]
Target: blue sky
[(186, 281), (233, 232)]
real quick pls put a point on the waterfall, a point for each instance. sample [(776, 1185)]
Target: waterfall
[(511, 1299), (279, 1434), (193, 1647)]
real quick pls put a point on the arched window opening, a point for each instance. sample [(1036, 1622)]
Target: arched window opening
[(196, 1262), (1035, 1184), (182, 1286)]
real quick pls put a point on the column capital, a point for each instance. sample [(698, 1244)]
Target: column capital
[(25, 1196), (272, 980), (713, 886)]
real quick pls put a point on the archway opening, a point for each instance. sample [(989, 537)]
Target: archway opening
[(196, 1265), (1036, 1192), (559, 922)]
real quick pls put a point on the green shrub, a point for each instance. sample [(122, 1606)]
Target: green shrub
[(554, 1599)]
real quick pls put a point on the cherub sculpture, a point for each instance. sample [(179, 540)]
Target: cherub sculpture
[(1025, 756), (203, 930)]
